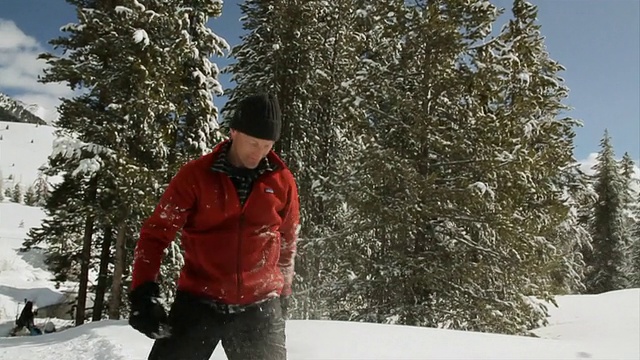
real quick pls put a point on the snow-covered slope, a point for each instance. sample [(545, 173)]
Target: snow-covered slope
[(22, 275), (23, 149)]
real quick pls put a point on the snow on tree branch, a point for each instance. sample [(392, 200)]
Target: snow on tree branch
[(141, 36), (71, 148)]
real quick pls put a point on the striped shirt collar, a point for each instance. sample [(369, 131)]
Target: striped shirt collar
[(222, 164)]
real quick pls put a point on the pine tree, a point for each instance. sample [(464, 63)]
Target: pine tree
[(30, 198), (630, 211), (635, 275), (1, 186), (304, 52), (573, 234), (41, 189), (634, 278), (17, 193), (458, 191), (150, 85), (196, 130), (607, 224), (60, 230)]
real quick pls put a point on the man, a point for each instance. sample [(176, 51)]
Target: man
[(238, 210)]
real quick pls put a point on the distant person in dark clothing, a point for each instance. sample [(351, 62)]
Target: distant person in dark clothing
[(26, 320)]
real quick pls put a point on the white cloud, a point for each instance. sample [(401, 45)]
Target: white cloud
[(20, 68), (13, 38)]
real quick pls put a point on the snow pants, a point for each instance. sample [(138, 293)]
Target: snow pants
[(198, 326)]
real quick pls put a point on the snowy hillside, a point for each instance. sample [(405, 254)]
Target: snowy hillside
[(23, 149), (605, 326), (22, 275)]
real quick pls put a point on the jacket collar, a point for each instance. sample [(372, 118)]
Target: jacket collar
[(274, 161)]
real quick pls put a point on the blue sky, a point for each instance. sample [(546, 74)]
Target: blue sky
[(597, 41)]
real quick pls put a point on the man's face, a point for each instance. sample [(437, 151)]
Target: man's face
[(248, 150)]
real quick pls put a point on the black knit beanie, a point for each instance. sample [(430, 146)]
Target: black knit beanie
[(258, 116)]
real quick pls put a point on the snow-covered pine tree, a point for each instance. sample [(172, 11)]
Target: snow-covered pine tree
[(336, 123), (604, 268), (61, 230), (627, 171), (195, 128), (366, 265), (257, 59), (41, 185), (451, 164), (530, 148), (124, 54), (635, 248), (17, 194), (30, 198), (412, 49), (85, 142), (548, 194), (573, 234), (630, 205), (304, 52)]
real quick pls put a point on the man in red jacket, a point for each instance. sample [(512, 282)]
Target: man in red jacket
[(238, 211)]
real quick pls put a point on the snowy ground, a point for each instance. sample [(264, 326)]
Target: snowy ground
[(612, 334), (604, 326)]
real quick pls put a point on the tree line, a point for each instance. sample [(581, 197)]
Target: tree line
[(435, 167)]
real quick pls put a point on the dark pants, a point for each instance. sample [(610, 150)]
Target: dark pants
[(197, 327)]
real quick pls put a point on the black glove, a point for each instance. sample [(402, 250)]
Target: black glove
[(284, 304), (148, 316)]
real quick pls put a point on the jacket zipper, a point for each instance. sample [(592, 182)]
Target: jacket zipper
[(240, 233), (239, 275)]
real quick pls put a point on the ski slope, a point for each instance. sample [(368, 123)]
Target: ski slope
[(605, 326)]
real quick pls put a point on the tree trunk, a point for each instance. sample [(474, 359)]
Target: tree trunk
[(105, 257), (116, 284), (85, 258)]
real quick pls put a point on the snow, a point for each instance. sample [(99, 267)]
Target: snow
[(19, 157), (123, 10), (141, 36), (90, 166), (22, 275), (344, 340), (605, 326), (69, 147)]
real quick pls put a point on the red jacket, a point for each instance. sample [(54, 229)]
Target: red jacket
[(233, 255)]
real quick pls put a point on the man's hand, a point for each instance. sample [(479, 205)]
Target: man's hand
[(148, 316)]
